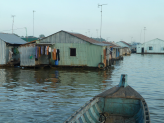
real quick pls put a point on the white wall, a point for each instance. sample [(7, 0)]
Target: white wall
[(156, 44)]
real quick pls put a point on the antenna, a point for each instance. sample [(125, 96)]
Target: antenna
[(33, 22), (13, 22), (101, 19)]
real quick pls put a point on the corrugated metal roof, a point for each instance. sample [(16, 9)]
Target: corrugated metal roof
[(31, 42), (101, 44), (125, 43), (110, 43), (11, 38), (29, 39), (80, 36), (85, 38)]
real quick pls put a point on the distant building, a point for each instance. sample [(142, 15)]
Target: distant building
[(123, 44), (134, 46), (155, 46), (41, 36), (115, 50), (126, 47), (9, 48), (30, 38)]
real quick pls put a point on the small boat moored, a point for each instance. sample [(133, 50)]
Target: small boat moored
[(120, 104)]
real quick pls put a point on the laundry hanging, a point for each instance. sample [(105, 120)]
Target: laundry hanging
[(36, 52), (54, 54), (39, 51), (47, 49), (58, 55)]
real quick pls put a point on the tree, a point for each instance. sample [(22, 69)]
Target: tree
[(41, 36)]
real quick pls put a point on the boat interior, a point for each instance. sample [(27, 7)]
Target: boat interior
[(120, 104)]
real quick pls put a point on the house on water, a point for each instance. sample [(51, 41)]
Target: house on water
[(115, 51), (126, 48), (65, 49), (9, 49), (155, 46)]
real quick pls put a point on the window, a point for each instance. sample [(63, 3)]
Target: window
[(72, 51), (150, 48)]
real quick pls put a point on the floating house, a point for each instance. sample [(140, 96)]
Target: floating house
[(9, 49), (115, 51), (65, 49), (134, 46), (155, 46), (126, 48)]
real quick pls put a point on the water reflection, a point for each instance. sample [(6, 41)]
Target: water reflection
[(51, 95), (47, 95)]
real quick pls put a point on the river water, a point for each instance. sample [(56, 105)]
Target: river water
[(52, 95)]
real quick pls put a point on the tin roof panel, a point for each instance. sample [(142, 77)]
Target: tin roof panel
[(11, 38)]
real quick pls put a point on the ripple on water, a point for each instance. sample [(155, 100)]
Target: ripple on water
[(48, 95)]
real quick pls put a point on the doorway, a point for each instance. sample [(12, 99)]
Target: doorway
[(142, 51)]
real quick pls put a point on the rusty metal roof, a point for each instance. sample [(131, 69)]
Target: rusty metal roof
[(125, 43), (110, 43), (11, 38), (85, 38), (31, 42)]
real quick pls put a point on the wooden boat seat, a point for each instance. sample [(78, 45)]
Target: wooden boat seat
[(119, 119)]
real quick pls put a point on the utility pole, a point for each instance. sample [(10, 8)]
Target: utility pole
[(33, 23), (13, 22), (26, 34), (101, 19)]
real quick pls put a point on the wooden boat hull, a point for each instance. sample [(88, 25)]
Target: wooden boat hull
[(115, 105)]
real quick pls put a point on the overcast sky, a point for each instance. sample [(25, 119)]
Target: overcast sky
[(121, 19)]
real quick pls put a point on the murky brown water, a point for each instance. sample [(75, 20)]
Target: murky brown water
[(51, 95)]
